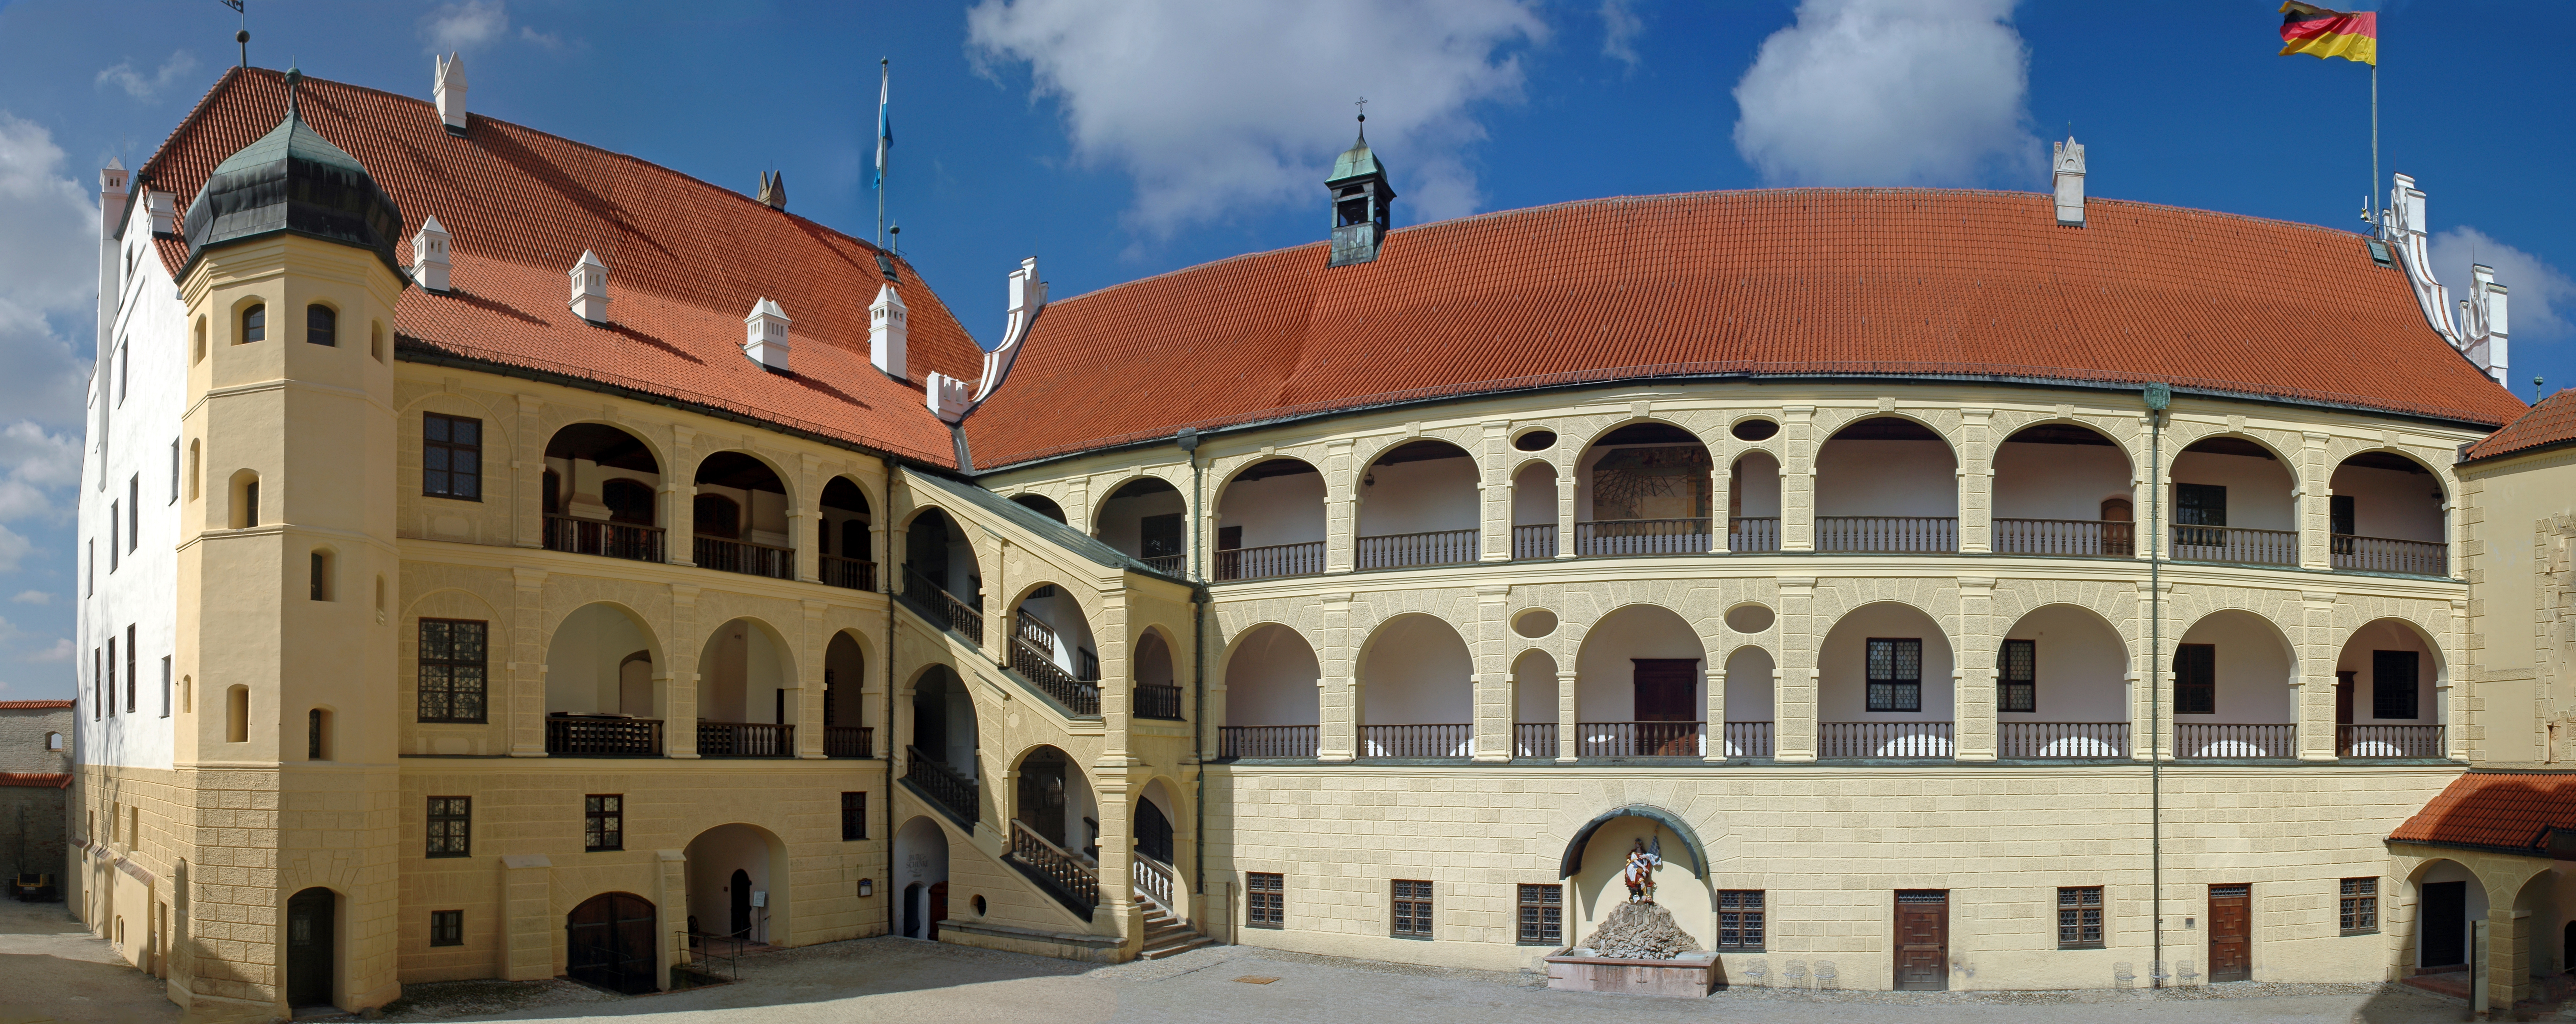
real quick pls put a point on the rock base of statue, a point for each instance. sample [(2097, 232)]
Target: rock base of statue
[(1638, 950)]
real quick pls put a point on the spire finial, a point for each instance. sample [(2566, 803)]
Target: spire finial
[(293, 78)]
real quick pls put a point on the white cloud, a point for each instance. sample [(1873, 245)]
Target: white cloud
[(33, 597), (48, 280), (467, 25), (1891, 92), (137, 85), (1209, 107), (1620, 27), (2540, 298), (13, 549), (62, 650)]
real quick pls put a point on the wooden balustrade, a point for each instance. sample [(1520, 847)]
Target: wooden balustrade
[(1753, 533), (1033, 644), (2368, 741), (727, 555), (745, 739), (1748, 739), (1442, 740), (1282, 741), (1883, 739), (953, 789), (1534, 740), (1405, 550), (603, 736), (1154, 879), (1618, 537), (1158, 702), (1532, 542), (2235, 544), (2066, 538), (606, 539), (2383, 554), (2049, 740), (1302, 559), (1639, 739), (1170, 565), (1048, 861), (1894, 535), (852, 573), (2196, 740), (943, 606), (849, 741)]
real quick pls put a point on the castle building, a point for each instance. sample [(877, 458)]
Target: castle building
[(554, 565)]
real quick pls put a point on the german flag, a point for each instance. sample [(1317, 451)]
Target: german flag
[(2318, 32)]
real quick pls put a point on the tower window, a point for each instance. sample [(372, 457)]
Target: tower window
[(237, 714), (321, 325), (245, 500), (317, 733), (54, 741), (322, 576), (197, 353), (254, 325), (452, 670), (376, 342)]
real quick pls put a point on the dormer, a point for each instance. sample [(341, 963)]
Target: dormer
[(888, 331), (590, 288), (764, 335), (429, 255), (448, 89)]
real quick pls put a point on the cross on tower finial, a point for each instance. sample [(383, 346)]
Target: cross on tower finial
[(1363, 105)]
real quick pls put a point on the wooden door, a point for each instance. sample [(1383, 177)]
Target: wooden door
[(2231, 933), (938, 908), (1922, 940), (2445, 913), (608, 942), (308, 947), (1664, 689), (2343, 698)]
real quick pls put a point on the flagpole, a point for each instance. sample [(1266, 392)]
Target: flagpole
[(885, 79), (2378, 222)]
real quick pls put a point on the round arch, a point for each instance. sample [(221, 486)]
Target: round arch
[(1601, 435), (2059, 485), (1053, 797), (2447, 897), (1884, 683), (2061, 663), (592, 668), (920, 878), (746, 670), (1642, 662), (739, 882), (1272, 682), (1410, 486), (1415, 670), (1886, 482), (846, 684), (1571, 862), (2231, 668), (585, 460), (1040, 504), (1269, 519), (1535, 698), (2389, 677)]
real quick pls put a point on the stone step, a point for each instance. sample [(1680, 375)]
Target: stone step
[(1194, 940)]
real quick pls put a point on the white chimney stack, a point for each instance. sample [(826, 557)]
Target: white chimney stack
[(111, 256), (164, 208), (2482, 321), (764, 335), (2067, 166), (590, 288), (888, 331), (429, 256), (449, 91)]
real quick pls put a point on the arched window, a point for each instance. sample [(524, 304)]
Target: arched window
[(192, 470), (321, 325), (187, 695), (54, 741), (197, 352), (376, 341), (717, 516), (322, 576), (627, 501), (245, 510), (237, 714), (254, 325)]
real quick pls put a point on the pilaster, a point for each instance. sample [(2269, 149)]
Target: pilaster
[(1338, 705), (1798, 445), (679, 498), (528, 473), (680, 717), (529, 927), (1976, 482), (809, 682), (1492, 682), (2315, 498), (1341, 508), (524, 704), (1494, 491), (1972, 671), (1565, 498), (1793, 737), (2312, 687), (1566, 712), (1713, 685)]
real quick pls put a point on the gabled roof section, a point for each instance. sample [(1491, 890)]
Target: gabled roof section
[(2552, 422), (2510, 812), (1030, 519), (1788, 282), (685, 259)]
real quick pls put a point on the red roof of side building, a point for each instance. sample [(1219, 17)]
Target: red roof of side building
[(686, 262), (2507, 811), (22, 705), (1788, 282), (37, 780), (2551, 422)]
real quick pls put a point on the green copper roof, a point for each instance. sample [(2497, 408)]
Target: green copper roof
[(294, 180), (1359, 161)]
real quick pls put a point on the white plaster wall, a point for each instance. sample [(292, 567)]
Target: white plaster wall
[(1534, 688), (1274, 510), (1843, 683), (1754, 490), (1886, 478), (2253, 670), (2258, 490), (1605, 676), (1153, 661), (1416, 672), (2392, 503), (1270, 679), (1419, 497), (2058, 481), (582, 663), (2386, 635), (713, 857), (1120, 524), (2082, 669), (1749, 686), (1534, 496)]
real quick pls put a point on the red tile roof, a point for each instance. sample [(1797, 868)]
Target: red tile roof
[(37, 780), (2551, 422), (1791, 282), (17, 705), (686, 262), (2510, 811)]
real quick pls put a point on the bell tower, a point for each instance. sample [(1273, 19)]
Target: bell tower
[(1362, 202), (285, 576)]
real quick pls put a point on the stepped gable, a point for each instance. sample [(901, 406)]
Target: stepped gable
[(2550, 423), (686, 260), (1967, 285)]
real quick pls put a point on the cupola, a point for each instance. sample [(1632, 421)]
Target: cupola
[(294, 181), (887, 331), (764, 335), (1362, 202)]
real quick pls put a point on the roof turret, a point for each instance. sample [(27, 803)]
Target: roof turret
[(293, 180)]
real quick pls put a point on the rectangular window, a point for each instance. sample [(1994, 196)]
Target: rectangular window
[(133, 511), (447, 927), (854, 816), (1739, 920), (165, 686), (2200, 505), (111, 676), (2339, 514), (1412, 909), (1265, 902), (451, 457), (2079, 917), (2017, 688), (321, 576), (97, 683), (2360, 906), (115, 534), (124, 371), (174, 471), (451, 826), (130, 681), (603, 825), (1542, 915), (1895, 675), (2393, 685), (452, 653), (2195, 674)]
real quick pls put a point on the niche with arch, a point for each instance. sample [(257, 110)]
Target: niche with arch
[(245, 501), (237, 714)]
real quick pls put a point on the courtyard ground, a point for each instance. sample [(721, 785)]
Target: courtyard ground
[(51, 969)]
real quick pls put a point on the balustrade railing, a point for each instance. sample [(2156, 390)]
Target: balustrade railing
[(1033, 657), (2066, 538), (2192, 740), (1154, 879), (1167, 564), (603, 736), (960, 616), (853, 573), (1893, 535), (2390, 741), (849, 741), (1432, 741), (1748, 739), (597, 537), (2046, 740), (1639, 739), (1883, 739), (1405, 550), (1532, 542), (1158, 702), (1616, 537), (1078, 880), (744, 557), (1302, 559), (2235, 544), (745, 739), (2382, 554), (1753, 533), (951, 788), (1287, 741), (1534, 740)]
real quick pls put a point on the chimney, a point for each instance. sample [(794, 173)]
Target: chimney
[(773, 189), (887, 331), (2483, 321), (764, 335), (590, 288), (111, 254), (2067, 167), (164, 207), (449, 91), (429, 256)]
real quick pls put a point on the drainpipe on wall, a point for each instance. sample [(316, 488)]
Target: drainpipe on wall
[(1188, 439), (886, 579), (2158, 396)]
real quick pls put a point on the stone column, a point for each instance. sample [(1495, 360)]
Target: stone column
[(1565, 511), (1972, 665), (680, 705), (1721, 482), (1798, 447), (523, 703), (808, 699), (528, 472), (1338, 704), (1976, 482), (2312, 690), (1793, 729), (1568, 709), (1714, 683)]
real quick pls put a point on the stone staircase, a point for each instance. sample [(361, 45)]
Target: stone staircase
[(1165, 935)]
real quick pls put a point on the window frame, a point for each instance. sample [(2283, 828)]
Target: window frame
[(2080, 910), (423, 663), (1898, 688), (255, 311), (1541, 917), (457, 839), (603, 822), (2412, 687), (448, 449), (854, 816), (2193, 507), (328, 328), (2026, 686), (1265, 899), (2357, 906), (1410, 903), (447, 928), (2202, 681), (1749, 910)]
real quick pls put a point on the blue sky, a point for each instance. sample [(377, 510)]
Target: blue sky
[(1115, 140)]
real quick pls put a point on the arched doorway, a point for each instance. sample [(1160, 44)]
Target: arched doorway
[(921, 877), (845, 699), (847, 555), (1156, 852), (735, 883), (1145, 519), (311, 948), (608, 942), (1055, 829)]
